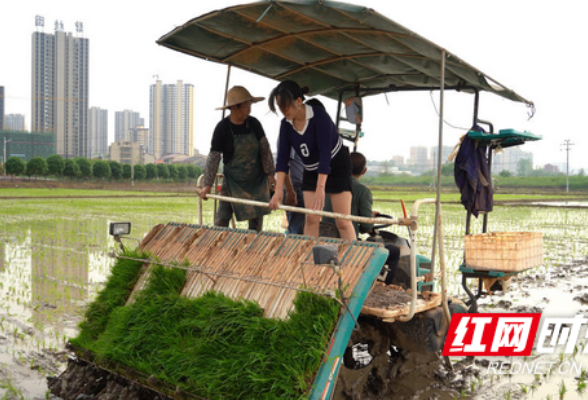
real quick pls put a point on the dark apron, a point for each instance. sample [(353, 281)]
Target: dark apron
[(245, 178)]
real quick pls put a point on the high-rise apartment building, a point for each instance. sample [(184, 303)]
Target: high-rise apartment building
[(124, 121), (59, 88), (445, 153), (419, 159), (140, 135), (398, 160), (15, 123), (171, 121), (98, 132), (419, 155), (1, 107), (508, 160)]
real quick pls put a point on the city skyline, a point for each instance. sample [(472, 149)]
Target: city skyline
[(122, 71)]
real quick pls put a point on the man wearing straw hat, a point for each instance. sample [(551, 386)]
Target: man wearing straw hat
[(248, 162)]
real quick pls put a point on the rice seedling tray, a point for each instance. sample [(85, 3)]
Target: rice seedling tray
[(201, 300)]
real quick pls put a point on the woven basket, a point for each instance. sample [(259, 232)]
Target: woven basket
[(504, 251)]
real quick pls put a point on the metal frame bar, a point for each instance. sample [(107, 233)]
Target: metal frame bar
[(392, 88), (326, 378)]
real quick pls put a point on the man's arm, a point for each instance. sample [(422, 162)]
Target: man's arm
[(212, 163), (267, 159)]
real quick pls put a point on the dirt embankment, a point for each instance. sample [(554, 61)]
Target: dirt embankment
[(165, 188)]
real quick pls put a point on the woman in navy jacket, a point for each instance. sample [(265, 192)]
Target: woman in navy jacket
[(327, 167)]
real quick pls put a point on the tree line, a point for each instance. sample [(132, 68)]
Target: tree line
[(524, 169), (82, 168)]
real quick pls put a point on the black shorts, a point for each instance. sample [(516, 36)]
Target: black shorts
[(339, 180)]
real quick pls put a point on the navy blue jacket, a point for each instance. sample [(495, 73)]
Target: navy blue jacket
[(472, 176)]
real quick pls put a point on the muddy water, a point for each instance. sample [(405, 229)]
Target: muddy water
[(52, 263)]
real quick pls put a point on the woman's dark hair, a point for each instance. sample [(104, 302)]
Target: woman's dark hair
[(288, 91), (314, 102)]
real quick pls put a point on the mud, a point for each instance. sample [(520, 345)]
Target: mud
[(388, 297), (82, 381), (26, 369)]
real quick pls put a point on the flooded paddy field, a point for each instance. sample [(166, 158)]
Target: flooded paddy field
[(54, 259)]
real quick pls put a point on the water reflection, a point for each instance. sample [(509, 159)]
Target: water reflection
[(50, 269), (16, 277), (561, 203), (2, 256)]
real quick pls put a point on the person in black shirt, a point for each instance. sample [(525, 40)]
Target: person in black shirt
[(248, 162)]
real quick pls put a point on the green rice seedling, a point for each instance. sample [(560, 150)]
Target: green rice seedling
[(179, 339), (507, 395), (524, 388), (562, 390), (581, 388), (12, 392)]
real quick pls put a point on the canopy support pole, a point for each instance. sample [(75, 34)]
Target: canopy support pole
[(226, 88), (339, 104), (224, 111), (357, 126), (439, 157), (438, 230)]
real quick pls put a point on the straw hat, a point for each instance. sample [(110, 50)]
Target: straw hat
[(238, 95)]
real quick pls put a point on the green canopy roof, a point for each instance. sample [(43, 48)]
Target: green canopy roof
[(327, 46)]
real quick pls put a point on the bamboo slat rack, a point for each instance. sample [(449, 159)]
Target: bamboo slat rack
[(268, 268)]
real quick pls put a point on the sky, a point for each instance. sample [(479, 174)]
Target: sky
[(535, 48)]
